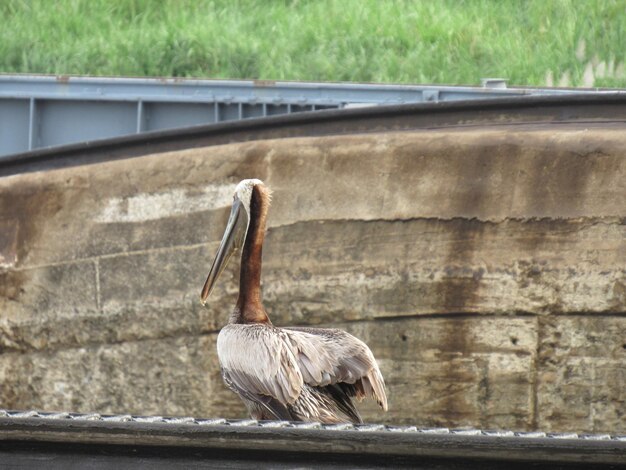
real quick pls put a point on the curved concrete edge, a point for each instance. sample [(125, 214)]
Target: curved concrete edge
[(559, 108)]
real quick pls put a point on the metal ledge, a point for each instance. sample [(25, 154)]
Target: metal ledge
[(43, 110), (593, 110), (288, 442), (66, 87)]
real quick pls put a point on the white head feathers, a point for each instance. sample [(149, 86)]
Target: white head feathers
[(243, 191)]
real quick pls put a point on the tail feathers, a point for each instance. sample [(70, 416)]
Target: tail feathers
[(341, 394)]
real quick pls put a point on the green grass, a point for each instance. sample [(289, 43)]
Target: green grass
[(572, 42)]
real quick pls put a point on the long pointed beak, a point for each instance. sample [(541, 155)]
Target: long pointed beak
[(232, 242)]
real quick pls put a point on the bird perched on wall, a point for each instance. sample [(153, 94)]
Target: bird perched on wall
[(294, 373)]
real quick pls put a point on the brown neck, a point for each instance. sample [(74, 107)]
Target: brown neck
[(249, 307)]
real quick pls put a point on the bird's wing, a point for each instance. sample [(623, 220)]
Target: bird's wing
[(270, 407), (328, 356), (258, 362)]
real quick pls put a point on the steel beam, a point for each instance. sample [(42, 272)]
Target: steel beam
[(74, 109)]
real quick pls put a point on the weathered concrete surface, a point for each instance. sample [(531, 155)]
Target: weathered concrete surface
[(582, 373), (472, 261), (471, 371), (152, 376)]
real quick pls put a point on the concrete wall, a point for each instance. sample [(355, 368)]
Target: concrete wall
[(486, 268)]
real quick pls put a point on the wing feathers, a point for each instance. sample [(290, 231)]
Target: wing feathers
[(259, 360), (263, 363), (271, 408), (340, 358)]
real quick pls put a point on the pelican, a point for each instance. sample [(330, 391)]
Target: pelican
[(290, 373)]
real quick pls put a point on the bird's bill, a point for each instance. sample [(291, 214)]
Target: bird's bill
[(232, 242)]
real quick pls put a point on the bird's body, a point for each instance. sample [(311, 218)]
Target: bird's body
[(294, 373), (298, 374)]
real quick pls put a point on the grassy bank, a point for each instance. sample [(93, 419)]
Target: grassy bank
[(566, 42)]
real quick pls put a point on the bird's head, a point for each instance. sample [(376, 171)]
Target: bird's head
[(235, 233)]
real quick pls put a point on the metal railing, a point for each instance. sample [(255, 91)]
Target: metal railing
[(43, 111), (28, 437)]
